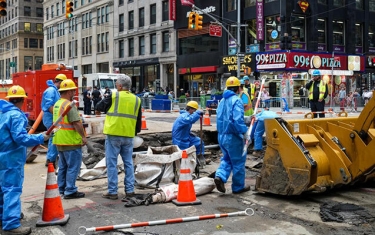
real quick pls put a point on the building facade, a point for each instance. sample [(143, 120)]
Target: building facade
[(21, 37)]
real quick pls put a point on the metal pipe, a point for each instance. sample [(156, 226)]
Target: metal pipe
[(214, 146), (82, 230)]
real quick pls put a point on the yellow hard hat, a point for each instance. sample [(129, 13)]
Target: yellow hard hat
[(192, 104), (16, 92), (61, 77), (232, 82), (67, 84)]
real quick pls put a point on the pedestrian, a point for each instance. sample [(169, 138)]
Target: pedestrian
[(69, 141), (342, 98), (244, 96), (231, 129), (318, 91), (96, 96), (50, 96), (355, 100), (302, 96), (258, 130), (107, 92), (122, 123), (181, 130), (14, 140), (266, 98), (87, 101), (366, 96)]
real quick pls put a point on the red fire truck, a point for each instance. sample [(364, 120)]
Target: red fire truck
[(35, 82)]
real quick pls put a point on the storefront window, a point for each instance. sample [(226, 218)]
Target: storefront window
[(298, 29), (371, 5), (251, 31), (338, 35), (338, 3), (196, 44), (359, 4), (371, 37), (322, 42), (249, 3), (273, 29), (150, 76)]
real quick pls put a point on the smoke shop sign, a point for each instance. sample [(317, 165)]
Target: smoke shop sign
[(230, 62), (299, 60)]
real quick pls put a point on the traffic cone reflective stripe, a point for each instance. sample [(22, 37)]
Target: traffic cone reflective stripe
[(206, 120), (53, 212), (186, 193), (144, 125)]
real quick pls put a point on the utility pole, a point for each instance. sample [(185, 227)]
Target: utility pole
[(238, 38)]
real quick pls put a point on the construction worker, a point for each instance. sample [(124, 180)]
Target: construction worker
[(68, 140), (50, 96), (14, 140), (244, 96), (181, 130), (122, 123), (318, 91), (250, 87), (231, 129)]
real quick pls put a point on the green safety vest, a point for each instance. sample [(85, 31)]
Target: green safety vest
[(122, 116), (252, 91), (322, 90), (67, 135)]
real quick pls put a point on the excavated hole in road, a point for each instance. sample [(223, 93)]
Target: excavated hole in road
[(95, 147)]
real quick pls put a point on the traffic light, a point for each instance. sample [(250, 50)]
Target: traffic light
[(198, 22), (3, 7), (68, 9), (192, 20)]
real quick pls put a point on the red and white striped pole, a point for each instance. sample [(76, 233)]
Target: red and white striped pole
[(83, 230)]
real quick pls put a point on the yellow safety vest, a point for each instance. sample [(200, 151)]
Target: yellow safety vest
[(322, 90), (122, 116), (248, 109), (252, 91), (67, 135)]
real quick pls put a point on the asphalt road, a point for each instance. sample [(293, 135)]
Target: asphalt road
[(273, 214)]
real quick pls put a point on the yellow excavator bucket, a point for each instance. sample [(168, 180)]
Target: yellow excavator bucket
[(318, 154)]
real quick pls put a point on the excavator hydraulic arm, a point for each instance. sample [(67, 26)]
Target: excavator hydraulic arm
[(318, 154)]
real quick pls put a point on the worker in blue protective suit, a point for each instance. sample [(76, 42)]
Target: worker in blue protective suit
[(14, 140), (50, 96), (181, 135), (258, 130), (231, 129)]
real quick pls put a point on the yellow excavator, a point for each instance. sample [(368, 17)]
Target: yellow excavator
[(318, 154)]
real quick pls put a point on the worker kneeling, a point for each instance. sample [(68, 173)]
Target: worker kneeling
[(181, 130)]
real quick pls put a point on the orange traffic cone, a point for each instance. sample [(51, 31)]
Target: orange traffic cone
[(53, 212), (206, 120), (186, 193), (144, 125)]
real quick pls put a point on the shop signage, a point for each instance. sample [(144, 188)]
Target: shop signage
[(172, 9), (215, 30), (259, 21), (187, 2), (334, 72), (230, 62), (304, 61), (303, 4)]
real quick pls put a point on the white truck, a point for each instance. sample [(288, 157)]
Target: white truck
[(100, 80)]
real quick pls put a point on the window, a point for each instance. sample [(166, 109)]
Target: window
[(371, 5), (52, 11), (131, 19), (121, 23), (298, 28), (39, 12), (14, 43), (321, 34), (359, 4), (63, 7), (165, 7), (107, 14), (33, 43), (249, 3), (131, 47), (47, 14), (153, 43), (38, 62), (121, 49), (25, 43), (28, 62), (371, 35), (322, 2), (358, 35), (107, 41), (153, 14), (61, 51), (272, 34), (41, 43), (39, 28), (338, 32), (27, 27), (58, 9), (82, 2), (231, 5), (26, 11), (141, 17), (338, 3), (86, 45), (206, 42), (141, 45), (102, 42), (165, 41), (121, 2)]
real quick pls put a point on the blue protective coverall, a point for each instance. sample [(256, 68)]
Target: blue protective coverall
[(181, 135), (50, 96), (231, 129), (258, 128), (14, 140)]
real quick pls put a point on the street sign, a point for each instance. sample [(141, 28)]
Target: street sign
[(215, 30)]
